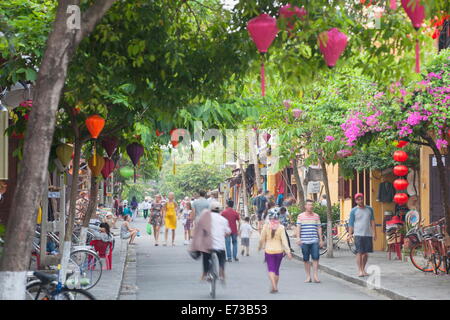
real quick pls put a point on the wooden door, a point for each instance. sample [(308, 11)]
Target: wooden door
[(436, 210)]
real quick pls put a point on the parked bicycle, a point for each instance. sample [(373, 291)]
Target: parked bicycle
[(47, 287), (337, 238)]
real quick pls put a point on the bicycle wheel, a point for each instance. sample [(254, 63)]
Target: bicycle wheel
[(420, 258), (254, 221), (34, 291), (351, 245), (324, 249), (77, 294), (213, 275), (90, 267)]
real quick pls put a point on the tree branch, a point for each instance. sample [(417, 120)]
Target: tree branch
[(92, 16)]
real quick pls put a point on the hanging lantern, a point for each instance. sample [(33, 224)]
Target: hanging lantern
[(110, 145), (400, 144), (296, 113), (97, 166), (401, 170), (174, 143), (95, 125), (263, 30), (135, 151), (401, 198), (126, 172), (64, 153), (400, 184), (400, 156), (415, 12), (332, 43), (159, 133), (108, 168), (288, 12), (266, 136)]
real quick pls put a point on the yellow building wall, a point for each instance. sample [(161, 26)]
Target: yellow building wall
[(272, 183), (424, 187), (333, 181)]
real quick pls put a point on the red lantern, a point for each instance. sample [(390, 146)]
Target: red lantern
[(332, 43), (174, 143), (401, 170), (159, 133), (401, 143), (95, 125), (266, 136), (263, 30), (401, 198), (108, 168), (415, 12), (400, 184), (400, 156), (287, 12)]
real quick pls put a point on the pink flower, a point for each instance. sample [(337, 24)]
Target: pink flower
[(441, 143), (329, 138), (378, 95)]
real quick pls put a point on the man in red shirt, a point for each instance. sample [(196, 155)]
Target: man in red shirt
[(232, 217)]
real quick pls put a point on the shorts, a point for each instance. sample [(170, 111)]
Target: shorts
[(274, 262), (260, 216), (245, 242), (310, 249), (125, 235), (187, 225), (363, 244)]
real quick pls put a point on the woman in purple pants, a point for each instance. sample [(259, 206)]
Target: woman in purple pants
[(275, 244)]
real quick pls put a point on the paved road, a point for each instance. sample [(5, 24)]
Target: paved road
[(170, 273)]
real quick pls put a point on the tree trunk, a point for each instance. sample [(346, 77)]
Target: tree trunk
[(244, 190), (329, 210), (300, 191), (61, 45), (443, 179), (256, 164), (91, 210)]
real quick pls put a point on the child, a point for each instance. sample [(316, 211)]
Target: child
[(245, 232), (187, 221)]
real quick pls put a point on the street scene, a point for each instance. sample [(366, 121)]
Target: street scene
[(223, 150)]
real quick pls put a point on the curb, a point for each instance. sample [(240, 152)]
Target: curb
[(339, 274), (124, 254)]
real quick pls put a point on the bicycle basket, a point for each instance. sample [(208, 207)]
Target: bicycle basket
[(430, 231), (413, 237)]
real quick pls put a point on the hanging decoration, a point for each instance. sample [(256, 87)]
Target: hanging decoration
[(415, 12), (400, 184), (263, 30), (96, 165), (288, 12), (108, 168), (95, 125), (126, 172), (393, 4), (401, 198), (64, 153), (159, 133), (266, 136), (400, 144), (400, 156), (332, 43), (135, 152), (401, 170), (110, 145)]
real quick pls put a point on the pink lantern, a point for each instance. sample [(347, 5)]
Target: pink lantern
[(263, 30), (288, 12), (332, 43), (266, 137), (393, 4), (415, 12), (296, 113)]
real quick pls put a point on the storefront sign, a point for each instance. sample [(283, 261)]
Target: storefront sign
[(434, 161), (314, 187), (53, 195)]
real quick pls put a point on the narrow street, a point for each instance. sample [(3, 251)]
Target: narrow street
[(170, 273)]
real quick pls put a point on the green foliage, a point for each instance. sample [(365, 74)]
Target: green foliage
[(322, 212), (190, 178), (2, 230)]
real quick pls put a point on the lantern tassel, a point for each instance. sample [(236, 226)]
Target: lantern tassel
[(417, 56), (94, 160), (263, 81), (393, 4), (134, 174)]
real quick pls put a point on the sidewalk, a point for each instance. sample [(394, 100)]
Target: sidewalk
[(398, 280), (108, 288)]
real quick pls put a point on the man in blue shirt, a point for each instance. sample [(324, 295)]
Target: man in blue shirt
[(362, 227)]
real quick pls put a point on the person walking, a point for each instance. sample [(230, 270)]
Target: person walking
[(245, 232), (209, 235), (156, 217), (134, 208), (273, 241), (145, 207), (362, 228), (187, 217), (116, 206), (309, 235), (170, 217), (260, 202), (232, 217), (200, 204)]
